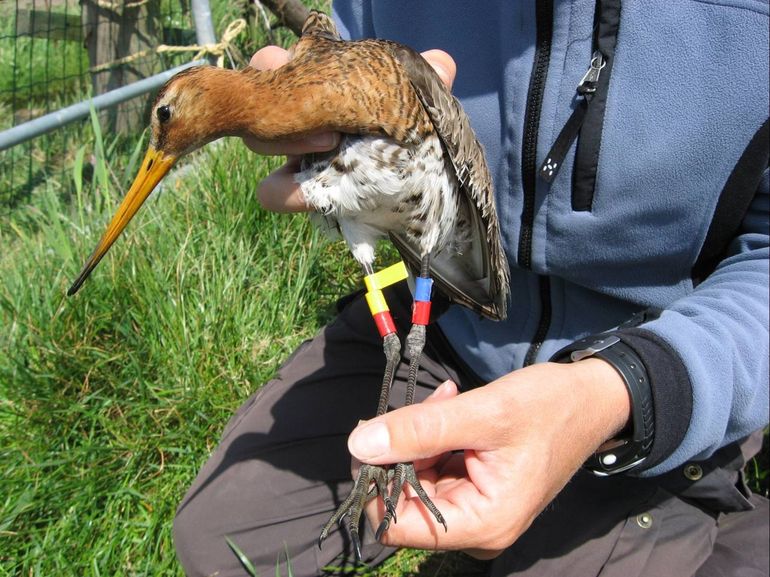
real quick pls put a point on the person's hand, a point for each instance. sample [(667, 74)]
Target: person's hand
[(279, 191), (522, 438)]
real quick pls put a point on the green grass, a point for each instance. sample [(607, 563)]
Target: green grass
[(111, 400), (37, 66), (45, 74)]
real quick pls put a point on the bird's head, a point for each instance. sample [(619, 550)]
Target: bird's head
[(182, 119), (177, 128)]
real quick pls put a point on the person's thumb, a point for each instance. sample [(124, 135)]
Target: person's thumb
[(418, 431)]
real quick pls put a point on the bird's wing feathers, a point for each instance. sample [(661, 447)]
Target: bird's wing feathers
[(487, 287)]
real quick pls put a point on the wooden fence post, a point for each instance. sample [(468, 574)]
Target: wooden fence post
[(115, 29)]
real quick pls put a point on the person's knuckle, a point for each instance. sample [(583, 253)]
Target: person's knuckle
[(264, 197), (426, 428)]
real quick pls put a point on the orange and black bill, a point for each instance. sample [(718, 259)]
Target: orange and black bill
[(155, 166)]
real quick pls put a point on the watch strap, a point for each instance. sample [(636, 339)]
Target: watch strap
[(622, 454)]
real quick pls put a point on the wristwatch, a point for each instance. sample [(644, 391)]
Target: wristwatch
[(633, 446)]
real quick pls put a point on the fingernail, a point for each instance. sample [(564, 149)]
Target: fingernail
[(438, 390), (323, 140), (369, 441)]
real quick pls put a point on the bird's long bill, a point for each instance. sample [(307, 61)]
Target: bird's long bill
[(155, 166)]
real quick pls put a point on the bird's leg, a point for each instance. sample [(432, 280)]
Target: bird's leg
[(415, 342), (373, 480)]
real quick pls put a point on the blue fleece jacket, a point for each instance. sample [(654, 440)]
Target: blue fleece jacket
[(660, 203)]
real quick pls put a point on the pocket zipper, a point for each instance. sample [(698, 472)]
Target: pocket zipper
[(585, 89)]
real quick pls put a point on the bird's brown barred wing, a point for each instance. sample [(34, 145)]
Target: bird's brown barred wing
[(479, 280)]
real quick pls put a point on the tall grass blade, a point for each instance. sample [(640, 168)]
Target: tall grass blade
[(241, 557), (77, 179), (100, 157), (290, 573), (132, 166)]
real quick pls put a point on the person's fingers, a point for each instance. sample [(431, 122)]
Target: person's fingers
[(461, 504), (269, 58), (272, 57), (443, 64), (320, 142), (429, 429), (279, 191), (475, 520), (444, 391)]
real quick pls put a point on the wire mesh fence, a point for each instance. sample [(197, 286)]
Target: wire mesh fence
[(54, 53)]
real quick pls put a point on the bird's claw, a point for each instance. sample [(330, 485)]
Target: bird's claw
[(356, 545), (391, 509), (390, 514), (405, 473), (383, 526), (349, 512)]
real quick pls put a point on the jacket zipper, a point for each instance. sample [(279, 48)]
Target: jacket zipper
[(544, 291), (544, 23), (529, 168), (586, 90)]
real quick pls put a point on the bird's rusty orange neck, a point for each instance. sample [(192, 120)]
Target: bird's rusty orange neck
[(330, 92)]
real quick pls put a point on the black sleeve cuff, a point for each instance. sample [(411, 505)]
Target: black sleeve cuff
[(671, 391)]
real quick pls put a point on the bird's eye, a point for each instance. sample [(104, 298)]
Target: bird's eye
[(164, 113)]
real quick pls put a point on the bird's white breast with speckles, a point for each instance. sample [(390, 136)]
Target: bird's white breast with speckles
[(373, 186)]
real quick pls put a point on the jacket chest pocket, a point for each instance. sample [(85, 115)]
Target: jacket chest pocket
[(587, 120), (672, 97)]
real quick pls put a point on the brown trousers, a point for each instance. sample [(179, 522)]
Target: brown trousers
[(282, 467)]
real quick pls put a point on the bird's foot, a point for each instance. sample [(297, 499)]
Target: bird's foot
[(372, 480), (405, 473)]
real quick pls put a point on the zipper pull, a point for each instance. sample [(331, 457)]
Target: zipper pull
[(587, 84), (585, 88)]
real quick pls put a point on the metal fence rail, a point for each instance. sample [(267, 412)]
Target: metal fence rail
[(47, 53), (49, 122)]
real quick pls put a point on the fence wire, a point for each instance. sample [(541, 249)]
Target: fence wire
[(54, 53)]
